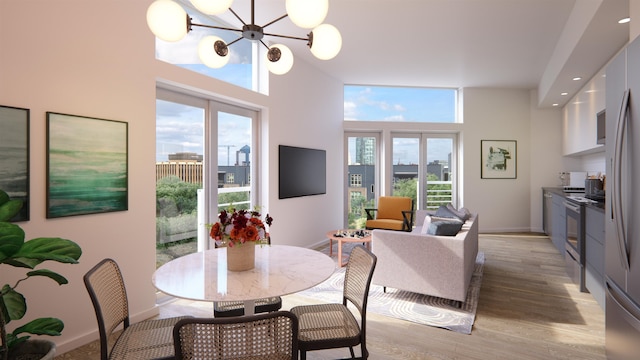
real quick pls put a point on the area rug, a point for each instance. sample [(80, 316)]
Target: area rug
[(405, 305)]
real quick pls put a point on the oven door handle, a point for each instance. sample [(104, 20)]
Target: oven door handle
[(575, 208)]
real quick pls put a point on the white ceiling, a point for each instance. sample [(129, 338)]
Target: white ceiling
[(523, 44)]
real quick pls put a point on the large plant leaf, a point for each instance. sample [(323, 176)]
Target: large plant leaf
[(61, 280), (11, 240), (42, 326), (4, 197), (9, 209), (14, 302), (56, 249)]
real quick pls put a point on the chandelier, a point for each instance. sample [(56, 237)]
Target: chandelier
[(170, 22)]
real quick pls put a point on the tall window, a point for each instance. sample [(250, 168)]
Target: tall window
[(400, 104), (241, 69), (199, 169)]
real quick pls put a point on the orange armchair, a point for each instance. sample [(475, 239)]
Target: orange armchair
[(393, 213)]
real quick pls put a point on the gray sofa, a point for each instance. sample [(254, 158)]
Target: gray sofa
[(439, 266)]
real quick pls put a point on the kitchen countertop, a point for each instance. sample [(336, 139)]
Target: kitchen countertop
[(559, 191)]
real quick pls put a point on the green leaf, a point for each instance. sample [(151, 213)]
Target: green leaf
[(42, 326), (11, 239), (13, 341), (56, 249), (4, 197), (9, 209), (61, 280), (14, 302)]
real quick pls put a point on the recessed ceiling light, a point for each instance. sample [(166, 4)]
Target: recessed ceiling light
[(555, 104), (624, 21), (577, 78), (564, 94)]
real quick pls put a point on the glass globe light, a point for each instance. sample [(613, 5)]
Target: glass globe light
[(307, 14), (326, 43), (167, 20), (284, 59), (212, 7), (208, 54)]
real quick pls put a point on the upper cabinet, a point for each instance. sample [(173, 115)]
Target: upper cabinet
[(580, 135)]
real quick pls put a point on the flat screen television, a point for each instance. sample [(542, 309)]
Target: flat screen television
[(302, 172)]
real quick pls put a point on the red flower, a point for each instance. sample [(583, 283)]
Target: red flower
[(238, 226)]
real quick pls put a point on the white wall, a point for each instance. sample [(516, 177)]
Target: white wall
[(497, 114), (546, 140), (306, 109), (97, 59)]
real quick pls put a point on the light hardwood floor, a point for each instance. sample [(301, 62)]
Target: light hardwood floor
[(528, 309)]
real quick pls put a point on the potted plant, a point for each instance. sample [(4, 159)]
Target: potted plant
[(16, 252)]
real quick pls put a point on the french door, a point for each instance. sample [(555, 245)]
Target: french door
[(205, 156), (361, 159), (418, 165)]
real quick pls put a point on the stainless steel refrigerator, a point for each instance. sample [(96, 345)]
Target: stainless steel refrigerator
[(622, 222)]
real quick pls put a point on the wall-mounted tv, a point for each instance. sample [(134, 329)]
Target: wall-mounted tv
[(302, 171)]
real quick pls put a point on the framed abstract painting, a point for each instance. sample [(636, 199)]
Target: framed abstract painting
[(498, 159), (14, 162), (87, 165)]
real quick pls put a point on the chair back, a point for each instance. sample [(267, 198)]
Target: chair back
[(270, 336), (357, 278), (105, 285), (391, 207)]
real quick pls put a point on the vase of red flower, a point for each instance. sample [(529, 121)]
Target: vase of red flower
[(241, 257), (240, 231)]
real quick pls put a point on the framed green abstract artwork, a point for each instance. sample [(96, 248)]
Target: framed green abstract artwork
[(14, 162), (87, 166)]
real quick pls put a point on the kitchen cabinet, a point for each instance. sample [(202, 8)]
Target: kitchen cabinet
[(594, 251), (580, 118), (558, 223), (547, 213)]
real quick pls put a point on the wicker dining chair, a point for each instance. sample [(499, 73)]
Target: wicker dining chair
[(148, 339), (236, 308), (270, 336), (328, 326)]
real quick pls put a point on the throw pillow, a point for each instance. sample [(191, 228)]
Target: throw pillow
[(444, 228), (445, 212), (425, 225), (460, 214)]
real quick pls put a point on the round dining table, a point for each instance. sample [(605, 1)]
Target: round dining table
[(279, 270)]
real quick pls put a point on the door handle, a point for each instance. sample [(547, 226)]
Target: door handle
[(616, 205)]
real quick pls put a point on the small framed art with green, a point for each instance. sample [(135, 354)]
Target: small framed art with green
[(498, 159)]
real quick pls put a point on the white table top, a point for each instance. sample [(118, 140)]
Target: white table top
[(279, 270)]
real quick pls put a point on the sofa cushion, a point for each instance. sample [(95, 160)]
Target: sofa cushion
[(448, 227), (448, 211)]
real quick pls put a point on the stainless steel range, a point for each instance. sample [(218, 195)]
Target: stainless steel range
[(575, 240)]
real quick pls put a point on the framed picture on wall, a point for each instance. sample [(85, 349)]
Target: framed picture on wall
[(87, 166), (14, 161), (498, 159)]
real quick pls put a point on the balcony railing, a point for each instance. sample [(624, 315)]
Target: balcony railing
[(438, 193)]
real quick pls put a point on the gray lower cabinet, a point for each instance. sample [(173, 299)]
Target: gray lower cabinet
[(558, 223), (594, 251), (547, 213)]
